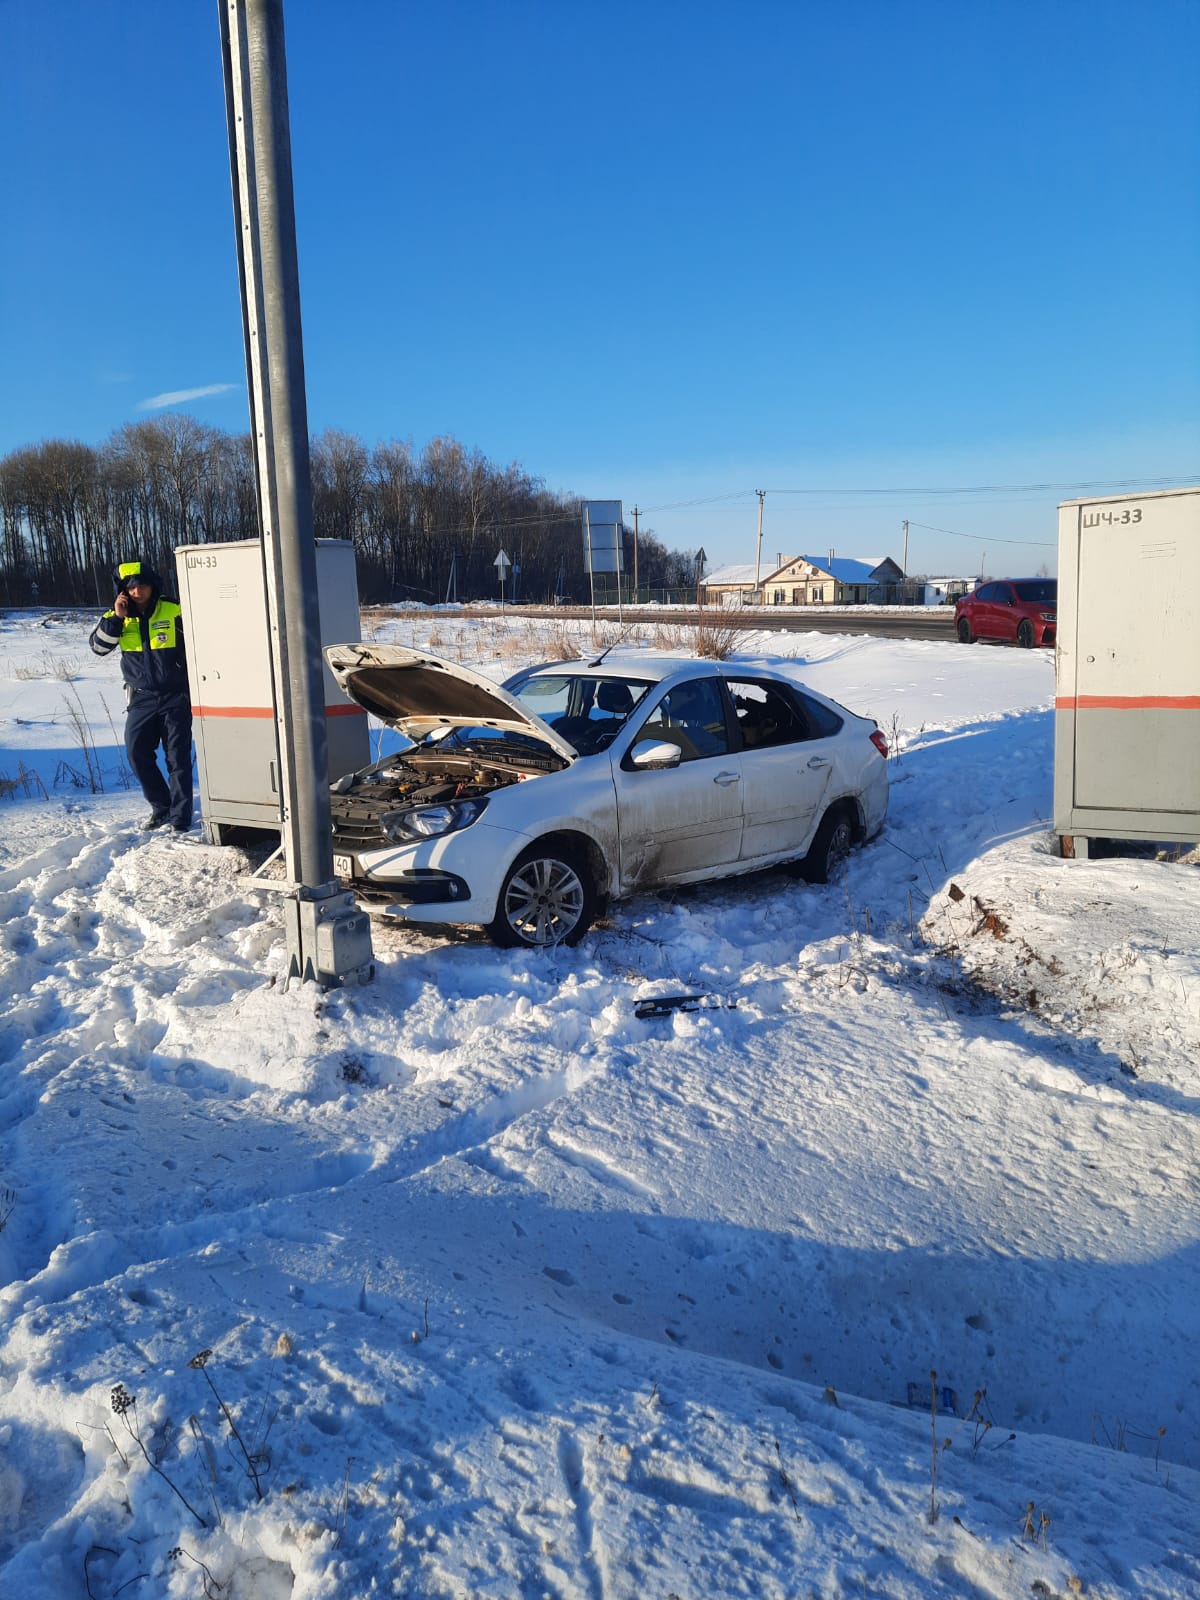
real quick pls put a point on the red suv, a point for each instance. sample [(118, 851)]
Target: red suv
[(1012, 609)]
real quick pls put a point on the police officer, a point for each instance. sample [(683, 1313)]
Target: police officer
[(149, 631)]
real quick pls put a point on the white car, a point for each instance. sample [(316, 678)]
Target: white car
[(525, 808)]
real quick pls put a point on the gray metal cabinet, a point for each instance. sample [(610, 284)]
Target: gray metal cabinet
[(1127, 708), (227, 635)]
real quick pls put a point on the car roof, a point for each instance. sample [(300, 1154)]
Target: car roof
[(654, 666), (651, 666)]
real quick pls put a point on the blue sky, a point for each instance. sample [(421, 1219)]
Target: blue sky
[(667, 253)]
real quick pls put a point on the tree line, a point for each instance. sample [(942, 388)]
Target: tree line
[(426, 524)]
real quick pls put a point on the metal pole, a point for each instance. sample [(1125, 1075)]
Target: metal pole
[(761, 493), (635, 556), (620, 554), (329, 939), (587, 524)]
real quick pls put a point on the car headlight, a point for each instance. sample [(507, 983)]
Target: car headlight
[(429, 822), (1048, 616)]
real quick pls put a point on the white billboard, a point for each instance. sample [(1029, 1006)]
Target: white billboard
[(602, 536)]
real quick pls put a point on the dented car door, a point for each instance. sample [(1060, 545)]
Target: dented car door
[(683, 821)]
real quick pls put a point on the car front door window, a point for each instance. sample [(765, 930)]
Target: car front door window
[(692, 716)]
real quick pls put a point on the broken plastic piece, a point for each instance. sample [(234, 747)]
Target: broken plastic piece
[(661, 1005), (920, 1396)]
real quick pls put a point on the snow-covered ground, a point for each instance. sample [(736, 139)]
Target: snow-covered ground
[(510, 1293)]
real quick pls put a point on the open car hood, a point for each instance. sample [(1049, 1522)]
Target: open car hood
[(415, 692)]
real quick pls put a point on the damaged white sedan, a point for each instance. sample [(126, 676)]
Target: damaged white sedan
[(524, 809)]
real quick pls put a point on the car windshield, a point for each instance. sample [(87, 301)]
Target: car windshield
[(1039, 592), (586, 709)]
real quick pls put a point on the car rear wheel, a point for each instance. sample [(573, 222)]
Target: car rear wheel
[(832, 844), (1025, 634), (547, 898), (964, 632)]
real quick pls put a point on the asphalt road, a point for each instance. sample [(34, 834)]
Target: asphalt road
[(933, 622)]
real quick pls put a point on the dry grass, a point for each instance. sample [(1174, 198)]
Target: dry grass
[(26, 782), (668, 636), (520, 639), (562, 646), (371, 619), (63, 669), (715, 641)]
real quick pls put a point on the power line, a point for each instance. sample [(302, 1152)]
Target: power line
[(1078, 485), (706, 500), (988, 538), (1008, 488), (544, 519), (494, 525)]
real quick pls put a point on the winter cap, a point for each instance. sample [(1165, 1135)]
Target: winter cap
[(137, 569)]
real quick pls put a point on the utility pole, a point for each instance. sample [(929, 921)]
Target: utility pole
[(904, 563), (328, 939), (635, 556), (762, 494)]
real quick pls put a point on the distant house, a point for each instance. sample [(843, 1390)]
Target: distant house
[(730, 585), (940, 591), (834, 580)]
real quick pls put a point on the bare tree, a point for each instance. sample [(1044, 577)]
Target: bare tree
[(69, 513)]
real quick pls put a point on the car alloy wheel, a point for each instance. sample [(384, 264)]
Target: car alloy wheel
[(1025, 635), (545, 900), (964, 631)]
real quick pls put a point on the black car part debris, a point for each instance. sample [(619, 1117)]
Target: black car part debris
[(661, 1005)]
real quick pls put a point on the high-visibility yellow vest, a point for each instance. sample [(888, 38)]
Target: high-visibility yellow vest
[(163, 626)]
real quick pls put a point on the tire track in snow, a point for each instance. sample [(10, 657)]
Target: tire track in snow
[(467, 1135)]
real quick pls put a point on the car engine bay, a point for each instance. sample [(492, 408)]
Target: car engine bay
[(359, 800)]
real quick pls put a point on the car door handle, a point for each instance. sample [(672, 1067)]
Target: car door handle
[(726, 778), (817, 762)]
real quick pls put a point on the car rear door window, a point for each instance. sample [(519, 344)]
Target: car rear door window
[(822, 722), (766, 715)]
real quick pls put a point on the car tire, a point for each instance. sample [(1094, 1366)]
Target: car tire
[(831, 845), (547, 898), (1025, 634), (965, 636)]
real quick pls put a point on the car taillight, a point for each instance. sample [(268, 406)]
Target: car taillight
[(880, 743)]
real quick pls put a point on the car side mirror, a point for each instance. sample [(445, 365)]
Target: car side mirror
[(655, 753)]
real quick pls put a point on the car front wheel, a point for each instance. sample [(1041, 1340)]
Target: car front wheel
[(547, 898), (964, 631), (829, 849), (1025, 635)]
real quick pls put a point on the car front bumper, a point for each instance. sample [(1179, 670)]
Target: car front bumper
[(455, 878)]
